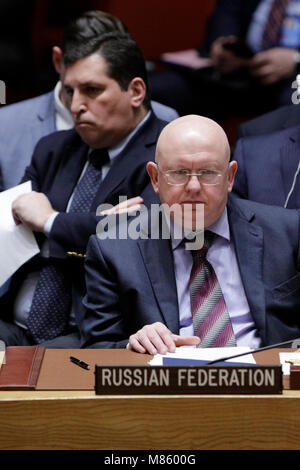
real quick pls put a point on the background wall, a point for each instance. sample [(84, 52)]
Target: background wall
[(157, 25), (163, 25)]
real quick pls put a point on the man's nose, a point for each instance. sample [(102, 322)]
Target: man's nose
[(193, 183), (78, 104)]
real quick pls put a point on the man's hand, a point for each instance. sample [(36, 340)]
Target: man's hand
[(130, 205), (32, 209), (224, 60), (158, 339), (273, 65)]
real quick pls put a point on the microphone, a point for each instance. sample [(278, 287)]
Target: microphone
[(295, 344), (293, 186)]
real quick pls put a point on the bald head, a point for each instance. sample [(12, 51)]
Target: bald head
[(196, 147), (191, 135)]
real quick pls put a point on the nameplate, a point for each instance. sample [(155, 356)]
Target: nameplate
[(174, 380), (295, 377)]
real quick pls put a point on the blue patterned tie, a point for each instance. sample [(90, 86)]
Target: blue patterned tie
[(88, 185), (51, 304)]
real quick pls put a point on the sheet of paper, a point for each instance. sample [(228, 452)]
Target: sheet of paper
[(2, 353), (17, 242), (288, 357), (187, 58), (206, 354)]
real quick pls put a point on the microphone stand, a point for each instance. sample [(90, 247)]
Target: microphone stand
[(295, 344)]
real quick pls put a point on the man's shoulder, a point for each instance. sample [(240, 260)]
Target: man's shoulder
[(269, 140), (286, 116), (20, 108), (163, 112), (147, 135), (154, 123), (248, 210), (59, 139)]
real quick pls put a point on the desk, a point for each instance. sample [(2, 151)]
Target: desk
[(82, 420)]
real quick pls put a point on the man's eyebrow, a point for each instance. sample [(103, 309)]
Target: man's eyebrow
[(91, 83), (85, 84)]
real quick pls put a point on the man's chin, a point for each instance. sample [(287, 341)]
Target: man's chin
[(191, 218), (89, 137)]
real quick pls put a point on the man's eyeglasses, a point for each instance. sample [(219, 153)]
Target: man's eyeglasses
[(181, 177)]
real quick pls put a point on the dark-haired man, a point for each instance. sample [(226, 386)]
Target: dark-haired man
[(30, 120), (106, 82)]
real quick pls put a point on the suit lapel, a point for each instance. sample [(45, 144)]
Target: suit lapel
[(158, 259), (117, 173), (134, 154), (248, 242), (66, 178)]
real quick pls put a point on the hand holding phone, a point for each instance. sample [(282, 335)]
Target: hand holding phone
[(239, 48)]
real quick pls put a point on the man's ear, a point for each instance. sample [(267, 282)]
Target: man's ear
[(153, 173), (231, 174), (137, 89), (57, 59)]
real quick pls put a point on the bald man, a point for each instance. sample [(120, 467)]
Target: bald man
[(156, 289)]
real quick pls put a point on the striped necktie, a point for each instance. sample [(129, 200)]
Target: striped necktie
[(272, 31), (51, 303), (210, 315), (88, 185)]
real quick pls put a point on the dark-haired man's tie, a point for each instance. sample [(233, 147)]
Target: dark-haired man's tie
[(51, 304), (272, 31), (210, 315), (88, 185)]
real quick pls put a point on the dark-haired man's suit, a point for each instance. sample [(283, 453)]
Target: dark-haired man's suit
[(56, 166), (131, 283)]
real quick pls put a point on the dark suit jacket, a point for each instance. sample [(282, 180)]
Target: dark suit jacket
[(131, 283), (247, 95), (282, 118), (266, 167), (57, 163), (230, 17)]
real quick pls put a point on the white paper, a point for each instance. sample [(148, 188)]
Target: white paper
[(206, 354), (17, 242), (2, 353), (288, 357), (188, 58)]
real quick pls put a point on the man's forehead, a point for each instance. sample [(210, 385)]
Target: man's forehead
[(84, 67), (173, 153), (195, 161), (192, 144)]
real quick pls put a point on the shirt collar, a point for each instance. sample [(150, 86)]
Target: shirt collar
[(119, 147), (63, 118), (114, 151), (221, 226)]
